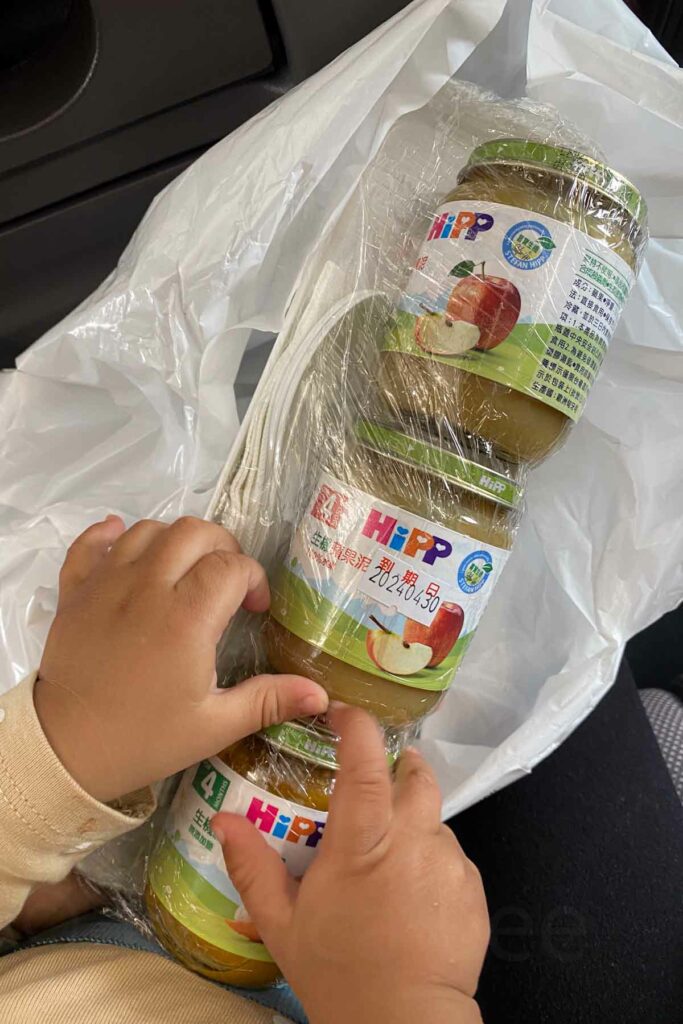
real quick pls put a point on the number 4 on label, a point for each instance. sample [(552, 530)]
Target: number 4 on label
[(207, 785), (210, 784)]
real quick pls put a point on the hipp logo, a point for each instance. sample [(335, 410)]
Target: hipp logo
[(474, 571), (413, 543), (528, 245), (270, 819), (447, 225)]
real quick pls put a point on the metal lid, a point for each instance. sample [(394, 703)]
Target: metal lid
[(318, 744), (569, 162), (416, 450)]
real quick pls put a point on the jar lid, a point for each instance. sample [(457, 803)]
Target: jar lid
[(318, 744), (473, 476), (564, 161)]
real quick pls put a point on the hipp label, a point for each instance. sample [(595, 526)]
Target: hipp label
[(282, 824), (532, 305), (293, 830), (415, 542), (378, 587), (450, 225), (187, 872)]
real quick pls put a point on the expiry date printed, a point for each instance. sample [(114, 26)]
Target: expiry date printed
[(396, 584)]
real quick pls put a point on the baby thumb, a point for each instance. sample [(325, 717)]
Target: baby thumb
[(267, 889), (262, 701)]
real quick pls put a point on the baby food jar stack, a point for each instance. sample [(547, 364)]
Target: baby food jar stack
[(493, 348), (280, 780), (400, 540)]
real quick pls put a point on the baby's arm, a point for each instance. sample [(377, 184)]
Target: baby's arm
[(47, 822)]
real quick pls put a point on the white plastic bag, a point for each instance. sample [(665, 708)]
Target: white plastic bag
[(129, 405)]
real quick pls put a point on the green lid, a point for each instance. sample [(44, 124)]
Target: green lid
[(317, 745), (564, 161), (473, 476)]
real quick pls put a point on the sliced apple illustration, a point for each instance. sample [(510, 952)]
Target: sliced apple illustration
[(392, 654), (492, 304), (442, 337), (441, 635)]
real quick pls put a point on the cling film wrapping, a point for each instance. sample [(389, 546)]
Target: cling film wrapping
[(514, 297), (485, 271), (440, 343), (280, 781), (188, 874), (505, 315), (279, 784), (382, 589)]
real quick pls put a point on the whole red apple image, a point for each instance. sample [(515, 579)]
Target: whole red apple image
[(491, 303), (441, 635)]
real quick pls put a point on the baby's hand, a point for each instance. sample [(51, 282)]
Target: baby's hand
[(126, 690), (390, 921)]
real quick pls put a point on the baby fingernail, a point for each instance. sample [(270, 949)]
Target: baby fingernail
[(314, 704)]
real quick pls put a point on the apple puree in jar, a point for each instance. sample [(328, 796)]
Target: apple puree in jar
[(280, 780), (398, 550), (514, 296)]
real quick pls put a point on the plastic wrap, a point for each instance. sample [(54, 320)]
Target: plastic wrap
[(381, 480), (384, 521), (515, 295), (281, 781)]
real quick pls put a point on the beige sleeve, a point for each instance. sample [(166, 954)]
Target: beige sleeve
[(47, 822)]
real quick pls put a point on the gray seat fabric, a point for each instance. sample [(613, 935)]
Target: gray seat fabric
[(665, 712)]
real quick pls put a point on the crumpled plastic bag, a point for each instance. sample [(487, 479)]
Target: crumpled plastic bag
[(130, 405)]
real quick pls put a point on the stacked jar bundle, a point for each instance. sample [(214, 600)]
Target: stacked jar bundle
[(497, 339)]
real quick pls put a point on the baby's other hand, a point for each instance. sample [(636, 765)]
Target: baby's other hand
[(126, 690), (389, 923)]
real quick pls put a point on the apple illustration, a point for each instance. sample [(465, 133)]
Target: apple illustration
[(441, 635), (491, 303), (442, 337), (393, 654)]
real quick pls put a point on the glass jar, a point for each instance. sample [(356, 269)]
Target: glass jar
[(395, 556), (515, 295), (280, 780)]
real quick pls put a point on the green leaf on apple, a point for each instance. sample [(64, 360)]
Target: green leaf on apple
[(546, 242), (462, 269)]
